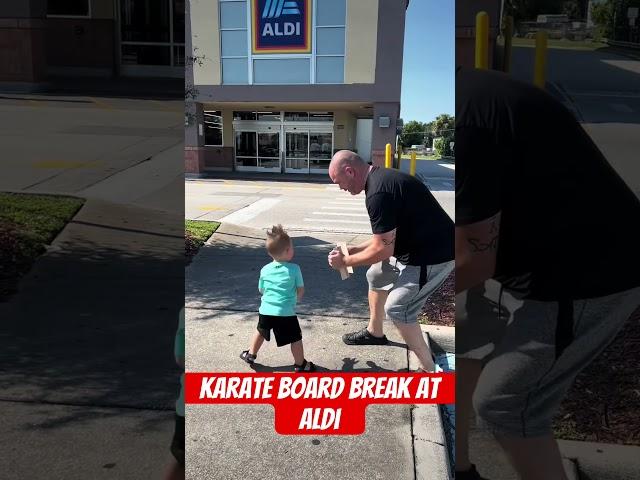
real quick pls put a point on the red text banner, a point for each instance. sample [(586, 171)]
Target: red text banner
[(319, 403)]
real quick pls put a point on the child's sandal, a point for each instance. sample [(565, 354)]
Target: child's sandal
[(247, 357), (305, 367)]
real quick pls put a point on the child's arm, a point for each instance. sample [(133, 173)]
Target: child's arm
[(299, 283)]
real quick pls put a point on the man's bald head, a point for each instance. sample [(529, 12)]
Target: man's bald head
[(349, 171)]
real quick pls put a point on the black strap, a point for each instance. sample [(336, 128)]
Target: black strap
[(423, 276), (564, 326)]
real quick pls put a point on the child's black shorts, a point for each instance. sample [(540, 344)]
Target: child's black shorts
[(286, 329), (177, 443)]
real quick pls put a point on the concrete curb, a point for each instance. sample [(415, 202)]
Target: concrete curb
[(430, 452), (604, 461), (443, 339), (262, 177)]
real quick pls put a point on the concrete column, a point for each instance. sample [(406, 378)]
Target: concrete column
[(383, 135), (193, 141), (22, 45), (228, 138)]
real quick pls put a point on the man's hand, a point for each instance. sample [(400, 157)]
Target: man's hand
[(336, 259)]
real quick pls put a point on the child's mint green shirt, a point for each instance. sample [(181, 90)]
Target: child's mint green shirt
[(279, 282)]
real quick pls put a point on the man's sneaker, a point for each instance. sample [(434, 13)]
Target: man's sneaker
[(363, 337), (471, 474)]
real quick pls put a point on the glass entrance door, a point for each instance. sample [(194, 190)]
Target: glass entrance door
[(296, 151), (320, 151), (307, 151), (269, 151)]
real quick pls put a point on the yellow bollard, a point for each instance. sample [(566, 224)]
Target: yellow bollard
[(412, 168), (508, 42), (482, 40), (387, 156), (540, 67)]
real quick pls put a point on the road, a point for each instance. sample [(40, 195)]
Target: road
[(603, 89), (116, 149), (299, 206)]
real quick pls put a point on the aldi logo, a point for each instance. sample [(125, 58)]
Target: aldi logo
[(275, 8), (281, 26)]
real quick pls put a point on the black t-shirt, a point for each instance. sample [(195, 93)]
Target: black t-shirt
[(569, 223), (424, 231)]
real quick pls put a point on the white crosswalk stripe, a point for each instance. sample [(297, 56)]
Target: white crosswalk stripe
[(341, 214), (343, 208), (337, 220)]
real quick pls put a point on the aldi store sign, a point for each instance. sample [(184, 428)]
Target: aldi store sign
[(281, 26)]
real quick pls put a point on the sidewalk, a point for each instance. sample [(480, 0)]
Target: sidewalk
[(87, 362), (229, 442)]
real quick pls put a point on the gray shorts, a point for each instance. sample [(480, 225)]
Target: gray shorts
[(532, 351), (409, 286)]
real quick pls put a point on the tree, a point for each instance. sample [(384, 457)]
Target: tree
[(412, 133), (602, 16), (438, 146), (443, 127), (572, 9), (528, 10), (428, 134)]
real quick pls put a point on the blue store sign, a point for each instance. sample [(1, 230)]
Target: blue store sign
[(281, 26)]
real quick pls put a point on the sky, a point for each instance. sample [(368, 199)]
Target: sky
[(428, 69)]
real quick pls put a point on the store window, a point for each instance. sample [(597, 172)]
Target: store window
[(330, 40), (233, 42), (213, 128), (69, 8), (244, 115), (296, 116), (321, 116), (283, 71), (152, 33)]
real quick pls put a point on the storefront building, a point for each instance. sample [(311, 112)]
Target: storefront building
[(41, 39), (280, 85)]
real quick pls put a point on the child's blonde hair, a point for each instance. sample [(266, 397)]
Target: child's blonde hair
[(277, 240)]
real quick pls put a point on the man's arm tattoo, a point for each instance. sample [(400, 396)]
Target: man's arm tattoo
[(389, 242), (478, 246)]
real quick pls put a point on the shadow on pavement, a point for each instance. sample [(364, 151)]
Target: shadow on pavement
[(224, 276), (95, 327), (349, 365)]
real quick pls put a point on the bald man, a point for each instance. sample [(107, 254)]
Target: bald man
[(410, 254)]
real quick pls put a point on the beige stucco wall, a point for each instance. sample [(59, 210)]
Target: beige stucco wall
[(361, 41), (102, 9), (227, 128), (205, 31), (344, 137)]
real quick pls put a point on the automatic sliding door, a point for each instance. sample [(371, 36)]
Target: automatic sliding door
[(246, 151), (269, 151), (320, 151), (297, 152)]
